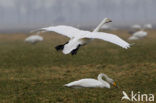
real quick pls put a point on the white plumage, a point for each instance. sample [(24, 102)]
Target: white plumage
[(81, 37), (138, 35), (34, 39), (148, 26), (106, 27), (136, 26), (92, 83), (141, 33)]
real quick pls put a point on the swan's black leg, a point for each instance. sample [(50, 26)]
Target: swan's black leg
[(74, 52), (60, 47)]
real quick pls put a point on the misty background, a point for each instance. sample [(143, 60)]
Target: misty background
[(25, 15)]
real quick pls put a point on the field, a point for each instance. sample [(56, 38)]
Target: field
[(36, 73)]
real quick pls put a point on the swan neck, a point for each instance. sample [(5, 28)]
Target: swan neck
[(102, 81), (99, 26), (102, 75)]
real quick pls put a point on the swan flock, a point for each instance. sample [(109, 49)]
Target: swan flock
[(140, 31), (80, 38)]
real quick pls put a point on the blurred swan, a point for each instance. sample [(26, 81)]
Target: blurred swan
[(136, 26), (108, 27), (138, 35), (93, 83), (105, 27), (34, 39), (141, 33), (80, 37), (148, 26)]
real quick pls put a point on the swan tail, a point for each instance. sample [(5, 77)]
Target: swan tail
[(66, 85)]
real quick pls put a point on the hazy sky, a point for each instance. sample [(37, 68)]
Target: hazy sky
[(28, 14)]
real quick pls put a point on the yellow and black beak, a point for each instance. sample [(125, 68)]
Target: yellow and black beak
[(110, 20), (114, 84)]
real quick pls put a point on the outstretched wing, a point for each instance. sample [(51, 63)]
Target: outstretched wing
[(62, 29), (109, 38)]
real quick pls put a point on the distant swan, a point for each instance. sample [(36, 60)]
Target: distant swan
[(93, 83), (141, 33), (136, 26), (138, 35), (148, 26), (34, 39), (80, 37)]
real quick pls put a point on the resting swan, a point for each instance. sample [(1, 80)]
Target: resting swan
[(80, 37), (93, 83), (34, 39), (139, 34)]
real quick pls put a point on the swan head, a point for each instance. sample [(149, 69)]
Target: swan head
[(109, 80), (107, 20)]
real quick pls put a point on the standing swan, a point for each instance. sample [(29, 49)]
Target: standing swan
[(92, 83), (80, 37)]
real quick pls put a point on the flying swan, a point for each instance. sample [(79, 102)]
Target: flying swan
[(93, 83), (80, 37)]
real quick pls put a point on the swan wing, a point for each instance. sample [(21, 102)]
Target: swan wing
[(62, 29), (109, 38), (85, 83)]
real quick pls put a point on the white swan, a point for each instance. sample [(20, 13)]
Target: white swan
[(93, 83), (106, 27), (34, 39), (141, 33), (136, 26), (148, 26), (80, 37), (138, 35)]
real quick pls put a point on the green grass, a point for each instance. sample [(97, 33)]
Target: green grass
[(37, 73)]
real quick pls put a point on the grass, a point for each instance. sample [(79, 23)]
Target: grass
[(37, 73)]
